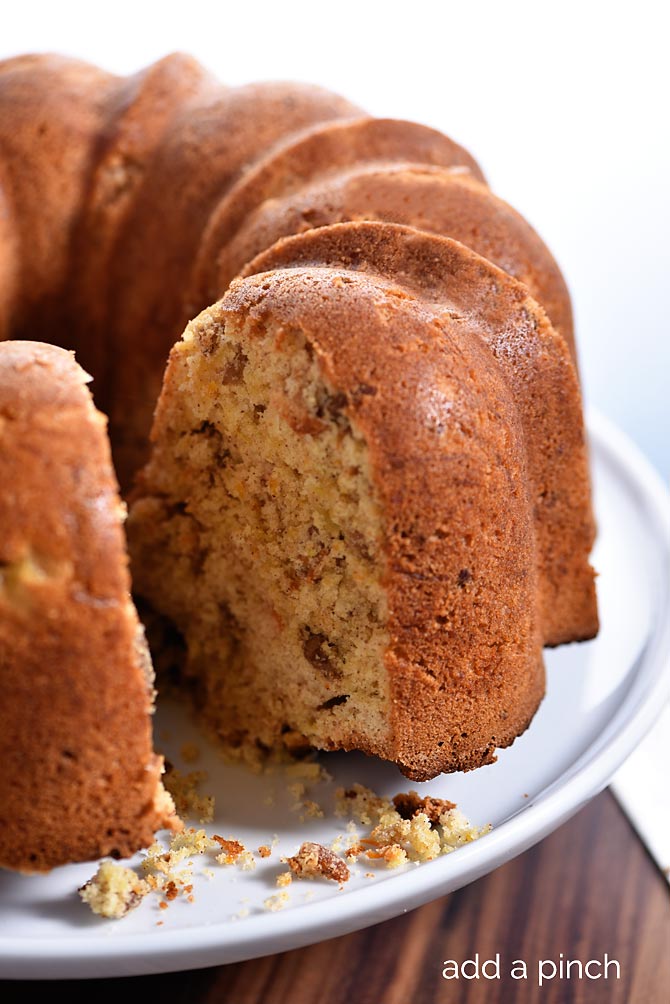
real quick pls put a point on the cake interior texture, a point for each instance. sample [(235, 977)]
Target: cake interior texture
[(264, 531)]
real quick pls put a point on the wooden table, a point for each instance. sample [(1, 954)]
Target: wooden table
[(587, 890)]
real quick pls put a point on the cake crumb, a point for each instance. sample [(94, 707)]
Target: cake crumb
[(264, 851), (230, 850), (410, 829), (284, 878), (246, 861), (456, 830), (276, 902), (296, 791), (393, 854), (310, 771), (233, 852), (113, 891), (305, 773), (160, 865), (171, 892), (361, 803), (189, 803), (314, 860), (183, 846), (190, 842), (312, 809), (410, 803)]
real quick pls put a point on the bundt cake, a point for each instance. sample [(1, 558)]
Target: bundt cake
[(367, 504), (79, 775)]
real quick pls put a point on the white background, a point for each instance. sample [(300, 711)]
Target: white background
[(565, 105)]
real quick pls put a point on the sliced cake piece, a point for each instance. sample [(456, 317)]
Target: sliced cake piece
[(79, 777), (343, 512)]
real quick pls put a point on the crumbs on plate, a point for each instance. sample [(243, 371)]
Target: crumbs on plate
[(406, 829), (276, 902)]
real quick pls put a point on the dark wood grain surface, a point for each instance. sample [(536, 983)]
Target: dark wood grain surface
[(587, 890)]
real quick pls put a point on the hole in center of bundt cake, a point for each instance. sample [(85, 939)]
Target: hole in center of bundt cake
[(258, 534)]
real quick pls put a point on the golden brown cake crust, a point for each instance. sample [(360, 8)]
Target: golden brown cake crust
[(79, 777), (8, 265), (51, 111), (538, 370), (287, 169), (446, 201), (138, 118)]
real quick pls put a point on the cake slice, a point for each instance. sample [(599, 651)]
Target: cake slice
[(79, 776), (343, 512)]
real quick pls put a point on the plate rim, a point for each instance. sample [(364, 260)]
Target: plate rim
[(165, 951)]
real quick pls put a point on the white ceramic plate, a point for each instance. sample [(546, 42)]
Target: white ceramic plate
[(602, 698)]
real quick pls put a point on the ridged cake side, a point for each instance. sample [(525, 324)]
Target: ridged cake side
[(448, 201), (79, 777), (109, 183), (536, 365)]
